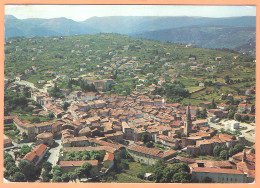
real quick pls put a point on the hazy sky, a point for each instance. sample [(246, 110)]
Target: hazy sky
[(83, 12)]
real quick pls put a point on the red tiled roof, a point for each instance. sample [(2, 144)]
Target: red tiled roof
[(249, 157), (29, 156), (145, 150), (38, 151), (217, 170), (167, 153), (109, 157), (215, 164)]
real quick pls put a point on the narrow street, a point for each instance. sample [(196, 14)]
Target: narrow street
[(54, 153)]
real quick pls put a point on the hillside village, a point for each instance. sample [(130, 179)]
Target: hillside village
[(93, 108)]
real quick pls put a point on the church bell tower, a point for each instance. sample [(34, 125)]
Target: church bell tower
[(187, 122)]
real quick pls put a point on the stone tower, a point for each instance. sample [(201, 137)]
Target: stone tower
[(187, 122)]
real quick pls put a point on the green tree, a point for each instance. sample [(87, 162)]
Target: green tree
[(231, 114), (86, 168), (224, 154), (36, 120), (72, 176), (203, 114), (9, 165), (51, 115), (238, 117), (25, 149), (216, 151), (6, 174), (12, 170), (244, 118), (18, 177), (223, 147), (30, 171), (65, 106), (198, 113), (65, 177), (95, 155), (57, 179), (181, 177), (47, 166), (79, 172), (149, 144), (24, 136), (213, 105), (145, 138), (238, 148), (231, 152), (46, 176)]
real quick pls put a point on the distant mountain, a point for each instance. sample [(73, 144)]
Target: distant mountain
[(132, 24), (236, 38), (44, 27), (232, 32)]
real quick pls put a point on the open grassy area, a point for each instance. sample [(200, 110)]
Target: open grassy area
[(194, 89), (208, 157), (130, 175), (34, 78), (11, 131), (31, 117)]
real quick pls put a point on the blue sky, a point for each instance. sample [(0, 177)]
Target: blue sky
[(83, 12)]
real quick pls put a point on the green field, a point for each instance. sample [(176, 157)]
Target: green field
[(129, 176)]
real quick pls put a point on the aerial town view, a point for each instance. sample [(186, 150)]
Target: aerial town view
[(159, 96)]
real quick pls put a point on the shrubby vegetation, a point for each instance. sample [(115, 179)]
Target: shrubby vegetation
[(84, 155), (78, 173), (25, 171), (15, 102), (224, 153), (176, 173)]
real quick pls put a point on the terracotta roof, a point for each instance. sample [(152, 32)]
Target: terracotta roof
[(217, 170), (250, 157), (44, 135), (226, 137), (38, 151), (167, 153), (245, 105), (78, 163), (109, 157), (145, 150), (213, 164)]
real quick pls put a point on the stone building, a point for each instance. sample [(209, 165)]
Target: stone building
[(218, 175), (187, 122)]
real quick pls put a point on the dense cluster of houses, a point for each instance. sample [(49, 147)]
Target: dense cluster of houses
[(107, 123)]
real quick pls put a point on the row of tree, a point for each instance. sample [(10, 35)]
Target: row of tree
[(84, 155), (202, 114), (173, 92), (79, 172), (85, 87), (223, 152), (176, 173)]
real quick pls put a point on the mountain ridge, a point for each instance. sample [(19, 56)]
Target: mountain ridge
[(144, 27)]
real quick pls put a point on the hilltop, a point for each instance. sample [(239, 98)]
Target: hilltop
[(132, 62), (235, 33)]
